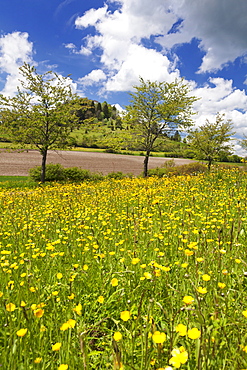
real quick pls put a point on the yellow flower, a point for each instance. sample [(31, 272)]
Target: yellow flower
[(71, 323), (181, 329), (72, 296), (42, 328), (159, 337), (23, 304), (125, 315), (135, 261), (221, 285), (56, 346), (188, 252), (1, 294), (114, 282), (206, 277), (224, 272), (244, 313), (188, 299), (237, 260), (194, 333), (64, 326), (63, 367), (201, 290), (117, 336), (147, 275), (78, 309), (179, 357), (10, 307), (21, 332), (100, 299), (59, 275), (38, 313), (37, 360)]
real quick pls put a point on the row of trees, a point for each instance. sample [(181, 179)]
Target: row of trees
[(45, 111)]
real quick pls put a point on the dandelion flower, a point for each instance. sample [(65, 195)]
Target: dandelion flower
[(21, 332), (125, 315), (194, 333), (117, 336)]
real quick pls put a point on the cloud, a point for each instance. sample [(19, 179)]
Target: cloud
[(92, 78), (15, 49), (219, 26)]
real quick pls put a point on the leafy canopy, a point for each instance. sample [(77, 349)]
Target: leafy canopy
[(212, 138), (156, 109)]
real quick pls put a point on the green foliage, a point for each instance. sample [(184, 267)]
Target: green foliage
[(75, 174), (54, 172), (186, 169), (43, 113), (212, 140), (156, 110)]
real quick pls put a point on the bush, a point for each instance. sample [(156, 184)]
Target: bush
[(76, 174), (54, 172), (185, 169)]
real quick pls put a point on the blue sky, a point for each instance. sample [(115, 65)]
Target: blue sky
[(107, 45)]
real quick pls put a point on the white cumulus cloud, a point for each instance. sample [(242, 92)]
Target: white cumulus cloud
[(15, 49)]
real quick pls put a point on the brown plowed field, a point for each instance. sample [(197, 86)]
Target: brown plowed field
[(18, 163)]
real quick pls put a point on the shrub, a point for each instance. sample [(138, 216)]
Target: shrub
[(54, 172), (185, 169), (76, 174)]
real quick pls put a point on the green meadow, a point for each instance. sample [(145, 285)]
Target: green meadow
[(146, 274)]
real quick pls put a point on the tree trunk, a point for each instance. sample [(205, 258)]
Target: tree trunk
[(145, 164), (43, 166), (209, 164)]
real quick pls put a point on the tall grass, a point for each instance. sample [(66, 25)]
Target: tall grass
[(125, 274)]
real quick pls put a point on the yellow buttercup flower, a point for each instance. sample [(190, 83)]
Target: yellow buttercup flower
[(188, 299), (10, 307), (125, 315), (21, 332), (114, 282), (159, 337), (56, 346), (201, 290), (181, 329), (117, 336), (194, 333), (100, 299)]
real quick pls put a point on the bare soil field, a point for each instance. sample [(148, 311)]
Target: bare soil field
[(18, 163)]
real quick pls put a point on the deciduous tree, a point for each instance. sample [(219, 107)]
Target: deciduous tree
[(212, 139), (42, 113), (156, 109)]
